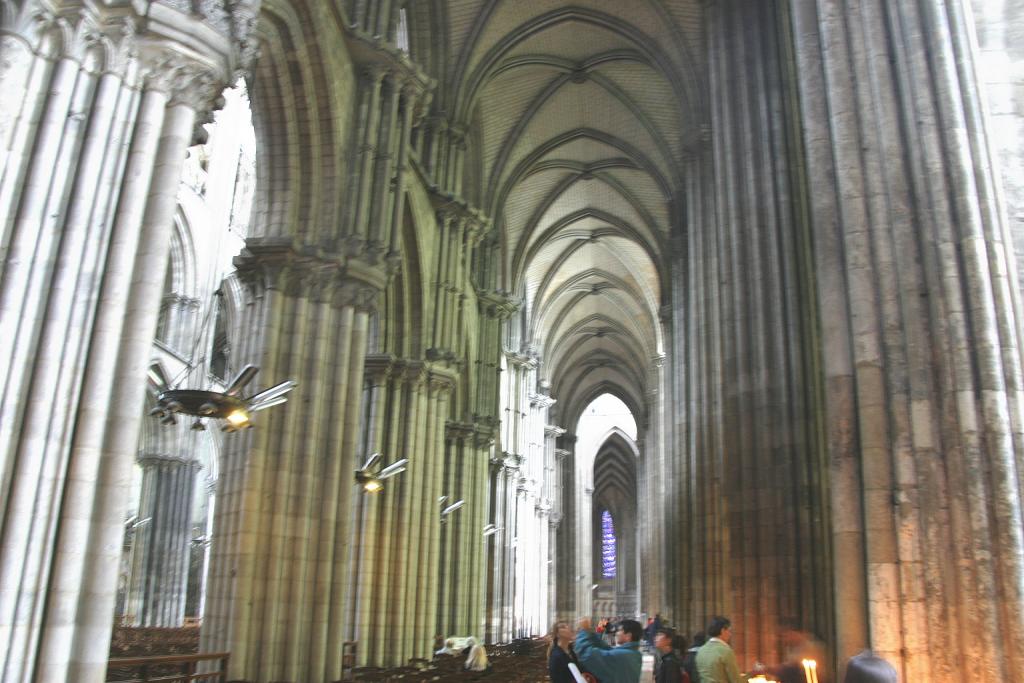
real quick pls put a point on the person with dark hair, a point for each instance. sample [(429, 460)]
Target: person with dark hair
[(669, 669), (716, 662), (690, 657), (619, 664), (679, 643), (868, 668)]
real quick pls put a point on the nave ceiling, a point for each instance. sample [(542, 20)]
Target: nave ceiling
[(578, 118)]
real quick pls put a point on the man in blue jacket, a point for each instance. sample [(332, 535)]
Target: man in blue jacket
[(619, 664)]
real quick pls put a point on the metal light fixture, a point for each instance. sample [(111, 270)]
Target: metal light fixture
[(371, 479), (490, 530), (229, 406), (450, 509)]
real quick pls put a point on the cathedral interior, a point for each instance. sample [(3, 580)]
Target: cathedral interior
[(689, 307)]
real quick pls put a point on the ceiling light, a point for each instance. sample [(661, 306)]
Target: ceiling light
[(238, 418)]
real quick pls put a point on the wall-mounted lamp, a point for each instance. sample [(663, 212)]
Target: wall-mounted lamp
[(450, 509), (490, 530), (372, 479)]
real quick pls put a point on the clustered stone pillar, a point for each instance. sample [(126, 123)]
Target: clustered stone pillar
[(551, 502), (565, 571), (519, 595), (460, 599), (287, 586), (502, 550), (392, 97), (917, 292), (162, 540), (280, 570), (98, 111), (750, 466), (656, 481)]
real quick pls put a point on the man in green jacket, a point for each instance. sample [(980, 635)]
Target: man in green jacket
[(620, 664), (716, 662)]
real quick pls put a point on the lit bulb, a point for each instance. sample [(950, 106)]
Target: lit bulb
[(372, 486), (238, 418)]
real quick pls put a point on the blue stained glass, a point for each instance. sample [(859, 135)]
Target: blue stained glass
[(607, 545)]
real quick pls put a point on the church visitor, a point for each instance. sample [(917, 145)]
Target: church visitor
[(448, 649), (690, 656), (716, 662), (560, 653), (619, 664), (477, 659), (866, 667), (669, 668)]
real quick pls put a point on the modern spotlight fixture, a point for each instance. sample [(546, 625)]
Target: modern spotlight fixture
[(229, 406), (450, 509), (371, 479)]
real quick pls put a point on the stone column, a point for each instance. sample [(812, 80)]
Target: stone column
[(380, 620), (415, 512), (282, 560), (461, 534), (483, 448), (393, 94), (443, 384), (744, 311), (924, 385), (163, 536), (495, 556), (369, 574), (88, 187), (565, 572), (552, 504)]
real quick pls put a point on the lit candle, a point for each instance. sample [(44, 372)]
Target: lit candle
[(810, 670)]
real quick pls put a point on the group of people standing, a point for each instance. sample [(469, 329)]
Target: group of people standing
[(711, 659), (710, 662)]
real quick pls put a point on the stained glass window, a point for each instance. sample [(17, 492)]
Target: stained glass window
[(607, 545)]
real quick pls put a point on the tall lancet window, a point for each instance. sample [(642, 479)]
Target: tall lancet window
[(402, 32), (607, 546)]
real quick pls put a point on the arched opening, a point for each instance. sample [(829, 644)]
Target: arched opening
[(600, 525)]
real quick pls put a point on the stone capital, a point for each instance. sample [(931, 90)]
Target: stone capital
[(524, 360), (148, 460), (415, 374), (277, 263), (354, 293), (542, 400), (378, 368), (189, 83), (553, 431)]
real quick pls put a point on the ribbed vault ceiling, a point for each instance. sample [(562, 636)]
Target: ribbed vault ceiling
[(585, 112)]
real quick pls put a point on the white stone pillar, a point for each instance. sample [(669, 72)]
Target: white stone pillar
[(162, 540), (88, 187)]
